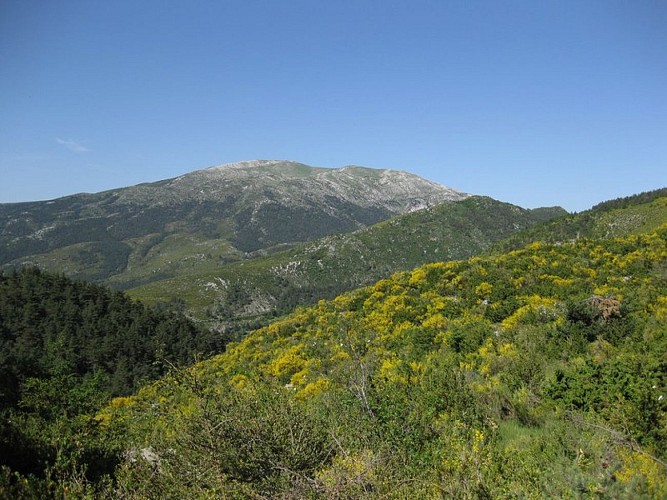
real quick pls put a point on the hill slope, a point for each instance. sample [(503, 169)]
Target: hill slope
[(536, 373), (254, 291), (204, 218), (49, 324), (620, 217)]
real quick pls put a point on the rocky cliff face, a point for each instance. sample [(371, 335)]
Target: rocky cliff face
[(245, 207)]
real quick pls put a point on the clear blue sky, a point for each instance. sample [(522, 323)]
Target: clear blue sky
[(531, 102)]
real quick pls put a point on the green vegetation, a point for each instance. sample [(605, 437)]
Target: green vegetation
[(636, 214), (536, 373), (66, 348)]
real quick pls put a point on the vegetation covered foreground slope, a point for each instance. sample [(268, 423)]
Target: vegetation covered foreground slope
[(537, 373), (253, 291)]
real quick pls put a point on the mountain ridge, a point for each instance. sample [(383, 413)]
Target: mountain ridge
[(205, 184), (636, 214)]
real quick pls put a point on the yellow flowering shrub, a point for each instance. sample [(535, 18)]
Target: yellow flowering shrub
[(536, 310), (286, 364), (436, 322), (389, 370), (314, 388), (660, 308), (483, 290), (638, 467)]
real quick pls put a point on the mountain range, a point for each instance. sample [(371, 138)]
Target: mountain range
[(241, 243)]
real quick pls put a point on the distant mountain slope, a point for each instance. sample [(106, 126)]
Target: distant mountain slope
[(620, 217), (208, 216), (275, 284)]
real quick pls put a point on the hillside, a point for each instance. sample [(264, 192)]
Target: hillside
[(48, 319), (635, 214), (203, 219), (251, 292), (536, 373)]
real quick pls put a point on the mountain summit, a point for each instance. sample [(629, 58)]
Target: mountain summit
[(215, 215), (293, 184)]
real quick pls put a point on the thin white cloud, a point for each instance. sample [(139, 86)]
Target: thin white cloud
[(29, 157), (73, 146)]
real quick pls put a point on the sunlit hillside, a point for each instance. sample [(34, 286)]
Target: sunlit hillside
[(536, 373)]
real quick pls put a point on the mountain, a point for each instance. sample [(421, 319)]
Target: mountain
[(251, 292), (205, 218)]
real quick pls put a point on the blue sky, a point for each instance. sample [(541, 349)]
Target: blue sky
[(532, 102)]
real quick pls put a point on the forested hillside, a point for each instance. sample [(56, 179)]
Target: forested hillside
[(66, 347), (538, 373)]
